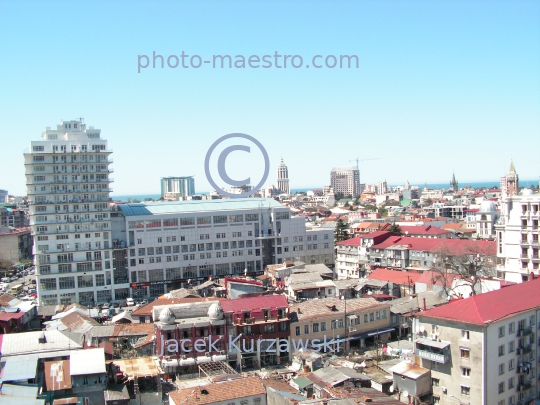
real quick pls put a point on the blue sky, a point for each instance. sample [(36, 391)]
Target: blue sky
[(441, 86)]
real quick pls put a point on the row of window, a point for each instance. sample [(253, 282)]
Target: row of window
[(191, 221), (339, 323)]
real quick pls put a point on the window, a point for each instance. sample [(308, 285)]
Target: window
[(465, 354), (465, 334), (435, 382), (511, 383), (511, 346), (501, 387), (323, 326), (315, 327), (501, 350), (511, 364), (465, 372), (501, 331), (306, 329), (297, 331), (501, 402), (465, 390), (501, 368)]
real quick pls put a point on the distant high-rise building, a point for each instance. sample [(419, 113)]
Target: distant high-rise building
[(345, 180), (382, 188), (510, 182), (3, 196), (68, 186), (177, 188), (283, 178), (453, 183)]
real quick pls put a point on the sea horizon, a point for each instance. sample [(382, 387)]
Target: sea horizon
[(479, 184)]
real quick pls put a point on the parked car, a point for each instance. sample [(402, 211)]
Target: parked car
[(130, 302), (32, 291)]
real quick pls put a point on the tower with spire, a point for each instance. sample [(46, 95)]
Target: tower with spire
[(510, 182), (454, 183), (283, 178)]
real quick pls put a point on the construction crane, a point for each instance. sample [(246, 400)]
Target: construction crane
[(358, 160)]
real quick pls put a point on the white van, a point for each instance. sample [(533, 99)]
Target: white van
[(130, 302)]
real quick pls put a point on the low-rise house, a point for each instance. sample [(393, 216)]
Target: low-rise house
[(243, 391), (402, 282), (87, 370), (261, 321), (20, 370), (413, 379), (143, 314), (189, 334), (367, 321)]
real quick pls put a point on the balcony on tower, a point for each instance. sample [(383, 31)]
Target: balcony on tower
[(433, 350)]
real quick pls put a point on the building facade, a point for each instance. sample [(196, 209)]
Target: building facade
[(518, 237), (15, 244), (68, 186), (481, 352), (172, 245), (345, 180), (510, 182), (283, 178), (177, 188)]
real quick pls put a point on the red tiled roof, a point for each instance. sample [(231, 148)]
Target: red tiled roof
[(395, 276), (422, 230), (451, 246), (254, 303), (436, 278), (492, 306)]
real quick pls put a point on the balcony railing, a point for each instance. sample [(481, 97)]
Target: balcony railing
[(525, 331), (436, 357), (524, 349)]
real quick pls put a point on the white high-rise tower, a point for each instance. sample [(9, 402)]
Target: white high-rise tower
[(283, 178), (68, 185)]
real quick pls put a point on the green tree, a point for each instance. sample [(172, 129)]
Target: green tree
[(342, 231), (395, 228)]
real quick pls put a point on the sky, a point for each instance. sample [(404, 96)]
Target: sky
[(440, 87)]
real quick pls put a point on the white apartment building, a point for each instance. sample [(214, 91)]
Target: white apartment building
[(68, 185), (518, 236), (482, 352), (170, 245), (345, 180), (177, 188)]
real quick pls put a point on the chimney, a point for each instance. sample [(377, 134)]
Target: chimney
[(425, 309)]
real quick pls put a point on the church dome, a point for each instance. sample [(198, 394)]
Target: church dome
[(167, 316), (215, 312), (488, 206)]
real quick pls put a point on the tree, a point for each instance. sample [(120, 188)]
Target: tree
[(395, 228), (464, 269), (6, 266), (383, 211), (341, 231)]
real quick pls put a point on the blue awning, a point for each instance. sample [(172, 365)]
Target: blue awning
[(371, 333)]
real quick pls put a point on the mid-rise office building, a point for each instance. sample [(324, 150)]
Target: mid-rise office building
[(170, 245), (3, 196), (482, 349), (68, 186), (345, 180), (177, 188)]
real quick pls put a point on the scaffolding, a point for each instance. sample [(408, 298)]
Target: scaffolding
[(215, 369)]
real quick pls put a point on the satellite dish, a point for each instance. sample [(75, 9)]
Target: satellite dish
[(391, 389), (406, 394), (422, 329)]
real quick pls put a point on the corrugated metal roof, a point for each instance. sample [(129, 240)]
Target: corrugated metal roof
[(20, 395), (90, 361), (179, 207), (20, 367), (57, 375), (40, 342)]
